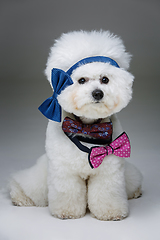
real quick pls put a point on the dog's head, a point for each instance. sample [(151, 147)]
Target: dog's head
[(99, 89)]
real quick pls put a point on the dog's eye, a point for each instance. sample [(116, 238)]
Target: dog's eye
[(104, 80), (81, 80)]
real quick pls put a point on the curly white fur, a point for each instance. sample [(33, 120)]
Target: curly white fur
[(62, 178)]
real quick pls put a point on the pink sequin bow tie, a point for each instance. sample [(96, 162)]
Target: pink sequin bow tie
[(119, 147)]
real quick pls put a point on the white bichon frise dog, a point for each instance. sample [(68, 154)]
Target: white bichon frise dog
[(84, 164)]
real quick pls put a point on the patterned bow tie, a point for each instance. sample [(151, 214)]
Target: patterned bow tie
[(96, 130), (119, 147)]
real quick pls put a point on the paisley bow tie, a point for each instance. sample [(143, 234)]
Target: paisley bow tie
[(96, 130), (119, 147)]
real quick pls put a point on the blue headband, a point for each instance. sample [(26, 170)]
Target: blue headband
[(50, 108)]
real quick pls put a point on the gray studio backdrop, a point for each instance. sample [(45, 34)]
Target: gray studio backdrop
[(28, 29)]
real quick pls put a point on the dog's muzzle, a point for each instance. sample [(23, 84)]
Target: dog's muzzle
[(97, 94)]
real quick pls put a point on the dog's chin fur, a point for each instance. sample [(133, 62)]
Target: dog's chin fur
[(89, 114), (85, 120), (88, 120)]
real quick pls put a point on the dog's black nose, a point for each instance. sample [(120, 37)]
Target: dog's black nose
[(97, 94)]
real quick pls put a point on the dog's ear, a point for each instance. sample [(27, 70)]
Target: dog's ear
[(124, 81), (128, 78)]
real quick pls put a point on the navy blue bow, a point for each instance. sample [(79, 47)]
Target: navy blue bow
[(50, 108)]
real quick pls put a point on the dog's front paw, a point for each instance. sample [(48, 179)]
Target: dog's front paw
[(68, 213), (110, 211), (110, 215), (68, 209)]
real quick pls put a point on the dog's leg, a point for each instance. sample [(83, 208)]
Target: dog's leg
[(29, 187), (67, 196), (133, 178), (107, 198)]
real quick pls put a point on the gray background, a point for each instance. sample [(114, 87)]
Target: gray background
[(27, 30)]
